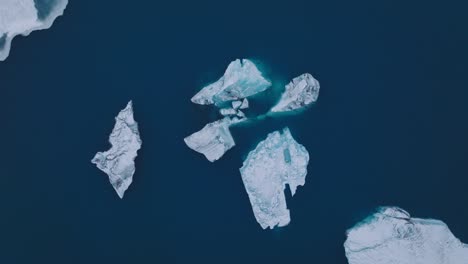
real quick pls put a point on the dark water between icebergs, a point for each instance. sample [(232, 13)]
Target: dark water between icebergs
[(390, 128)]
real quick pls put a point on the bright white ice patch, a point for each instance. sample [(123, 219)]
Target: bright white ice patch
[(391, 236), (300, 92), (276, 161), (241, 79), (119, 162), (214, 139), (19, 17)]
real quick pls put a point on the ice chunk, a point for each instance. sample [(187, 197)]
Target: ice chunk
[(236, 104), (214, 139), (300, 92), (391, 236), (21, 17), (245, 104), (240, 114), (228, 111), (276, 161), (241, 79), (118, 162)]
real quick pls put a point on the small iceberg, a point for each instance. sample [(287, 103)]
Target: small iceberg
[(299, 93), (276, 161), (241, 79), (21, 17), (214, 139), (391, 236), (119, 162), (245, 104)]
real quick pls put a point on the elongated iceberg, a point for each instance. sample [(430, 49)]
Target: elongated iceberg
[(391, 236), (21, 17), (276, 161), (119, 162), (241, 79), (300, 92), (214, 139)]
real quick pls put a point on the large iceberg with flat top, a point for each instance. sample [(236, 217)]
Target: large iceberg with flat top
[(392, 236), (299, 93), (241, 79), (119, 162), (21, 17), (276, 161), (214, 139)]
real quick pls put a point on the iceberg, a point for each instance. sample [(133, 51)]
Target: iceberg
[(214, 139), (300, 92), (245, 104), (228, 111), (119, 162), (241, 79), (276, 161), (391, 236), (236, 104), (21, 17)]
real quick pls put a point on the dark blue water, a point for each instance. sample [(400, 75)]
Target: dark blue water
[(390, 128)]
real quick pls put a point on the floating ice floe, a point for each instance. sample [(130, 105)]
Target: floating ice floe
[(119, 162), (214, 139), (276, 161), (391, 236), (245, 104), (300, 92), (228, 111), (21, 17), (241, 79)]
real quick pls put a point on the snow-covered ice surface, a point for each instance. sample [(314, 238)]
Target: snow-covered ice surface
[(300, 92), (21, 17), (241, 79), (119, 162), (214, 139), (276, 161), (391, 236)]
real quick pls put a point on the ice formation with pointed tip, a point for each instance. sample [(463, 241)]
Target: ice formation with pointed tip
[(391, 236), (300, 92), (21, 17), (241, 79), (276, 161), (119, 162)]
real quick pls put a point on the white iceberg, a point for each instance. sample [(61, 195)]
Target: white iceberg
[(276, 161), (241, 79), (236, 104), (214, 139), (21, 17), (391, 236), (245, 104), (228, 111), (300, 92), (119, 162)]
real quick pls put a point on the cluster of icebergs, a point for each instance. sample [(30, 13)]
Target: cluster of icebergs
[(276, 161), (388, 236), (21, 17)]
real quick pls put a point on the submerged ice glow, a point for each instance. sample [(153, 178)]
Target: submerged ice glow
[(241, 79)]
